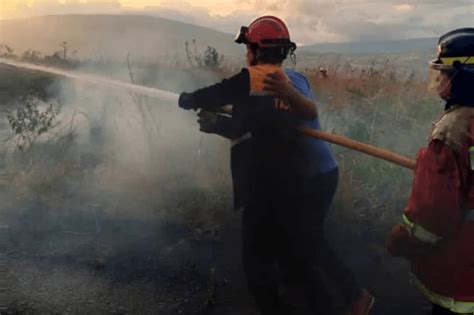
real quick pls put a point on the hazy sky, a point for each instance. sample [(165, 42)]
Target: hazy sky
[(309, 20)]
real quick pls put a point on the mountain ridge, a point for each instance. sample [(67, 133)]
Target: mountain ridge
[(112, 36), (149, 37)]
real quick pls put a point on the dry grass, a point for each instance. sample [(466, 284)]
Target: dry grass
[(376, 105)]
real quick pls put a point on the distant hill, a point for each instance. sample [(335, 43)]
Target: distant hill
[(112, 36), (150, 38), (376, 47)]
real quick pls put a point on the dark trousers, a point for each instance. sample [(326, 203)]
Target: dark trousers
[(283, 229), (438, 310)]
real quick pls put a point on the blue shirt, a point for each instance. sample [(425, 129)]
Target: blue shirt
[(279, 154), (320, 157)]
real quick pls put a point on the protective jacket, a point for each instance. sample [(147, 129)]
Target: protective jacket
[(437, 229), (241, 150), (279, 155)]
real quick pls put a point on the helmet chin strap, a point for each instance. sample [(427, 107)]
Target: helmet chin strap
[(293, 57), (461, 90), (449, 101)]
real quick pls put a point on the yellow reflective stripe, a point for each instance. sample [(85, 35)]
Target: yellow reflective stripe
[(241, 139), (451, 304), (471, 157), (406, 222), (420, 232), (467, 60)]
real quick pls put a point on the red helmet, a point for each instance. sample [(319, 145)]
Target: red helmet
[(266, 32)]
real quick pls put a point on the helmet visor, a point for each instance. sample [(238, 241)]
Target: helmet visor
[(450, 63), (241, 37), (439, 81), (433, 79), (438, 65)]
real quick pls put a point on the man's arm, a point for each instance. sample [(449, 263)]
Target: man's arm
[(226, 92), (224, 126), (279, 86), (434, 205)]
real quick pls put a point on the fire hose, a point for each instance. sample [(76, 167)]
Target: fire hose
[(351, 144), (361, 147), (169, 96)]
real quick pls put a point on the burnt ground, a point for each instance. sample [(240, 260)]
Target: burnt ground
[(121, 267), (71, 260), (100, 264), (112, 266)]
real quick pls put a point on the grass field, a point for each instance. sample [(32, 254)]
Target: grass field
[(125, 198)]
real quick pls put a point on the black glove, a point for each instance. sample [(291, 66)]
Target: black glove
[(207, 121), (186, 101)]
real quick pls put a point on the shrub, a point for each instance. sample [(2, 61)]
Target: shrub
[(30, 121)]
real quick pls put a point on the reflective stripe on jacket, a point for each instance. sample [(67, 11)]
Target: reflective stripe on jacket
[(456, 306), (437, 232), (419, 232)]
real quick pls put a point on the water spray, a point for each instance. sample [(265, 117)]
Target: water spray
[(94, 79), (173, 97)]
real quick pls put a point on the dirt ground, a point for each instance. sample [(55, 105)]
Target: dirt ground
[(72, 261), (128, 267), (160, 267)]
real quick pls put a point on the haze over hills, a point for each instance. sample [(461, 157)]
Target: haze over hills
[(112, 36), (375, 47), (148, 38)]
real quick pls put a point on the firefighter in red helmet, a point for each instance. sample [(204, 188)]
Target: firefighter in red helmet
[(436, 233), (267, 32), (290, 179)]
